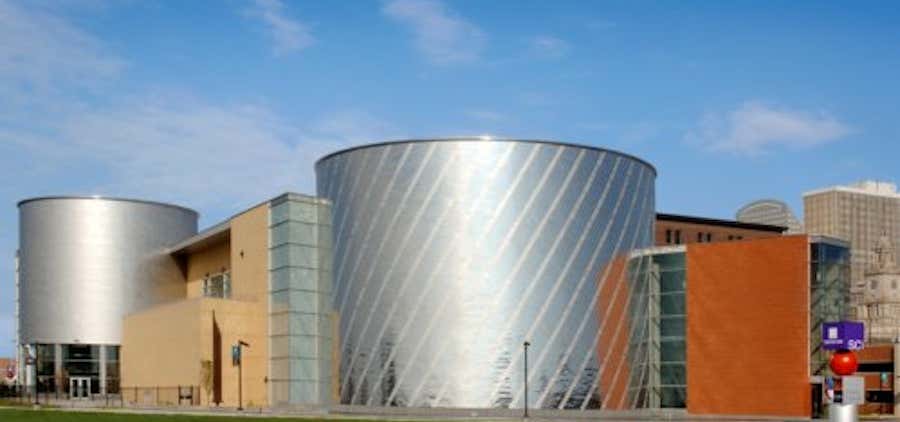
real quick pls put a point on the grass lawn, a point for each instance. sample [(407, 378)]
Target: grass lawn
[(10, 415)]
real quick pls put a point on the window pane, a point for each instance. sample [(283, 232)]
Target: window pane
[(672, 304), (671, 327), (673, 397), (671, 281), (671, 351), (672, 374)]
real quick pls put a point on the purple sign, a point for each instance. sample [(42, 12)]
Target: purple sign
[(843, 335)]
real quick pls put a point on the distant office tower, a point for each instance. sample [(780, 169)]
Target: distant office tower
[(772, 212), (860, 213)]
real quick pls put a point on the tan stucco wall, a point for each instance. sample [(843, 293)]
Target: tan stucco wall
[(250, 254), (211, 260), (241, 320), (250, 282), (165, 345)]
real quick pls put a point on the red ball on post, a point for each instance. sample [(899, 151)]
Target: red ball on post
[(843, 362)]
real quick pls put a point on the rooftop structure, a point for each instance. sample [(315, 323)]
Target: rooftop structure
[(771, 212)]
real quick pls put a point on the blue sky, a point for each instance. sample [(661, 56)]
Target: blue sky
[(218, 105)]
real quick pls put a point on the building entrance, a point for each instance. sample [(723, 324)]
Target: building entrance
[(79, 388)]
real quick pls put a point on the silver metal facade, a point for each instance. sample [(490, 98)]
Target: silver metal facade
[(84, 263), (448, 254)]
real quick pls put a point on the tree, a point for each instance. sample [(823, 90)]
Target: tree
[(206, 378)]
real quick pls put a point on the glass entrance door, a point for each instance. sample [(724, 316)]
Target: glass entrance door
[(79, 388)]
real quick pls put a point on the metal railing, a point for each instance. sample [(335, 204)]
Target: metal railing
[(113, 395), (181, 395)]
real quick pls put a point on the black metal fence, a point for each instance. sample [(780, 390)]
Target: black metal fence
[(181, 395), (112, 396)]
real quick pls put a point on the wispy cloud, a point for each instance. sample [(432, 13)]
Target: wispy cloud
[(199, 154), (440, 34), (42, 54), (755, 127), (288, 35), (163, 145), (549, 47)]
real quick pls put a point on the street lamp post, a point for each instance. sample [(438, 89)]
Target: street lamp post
[(240, 363), (525, 346), (36, 398)]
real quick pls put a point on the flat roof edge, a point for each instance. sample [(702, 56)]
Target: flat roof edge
[(200, 237), (105, 198), (487, 139), (716, 221)]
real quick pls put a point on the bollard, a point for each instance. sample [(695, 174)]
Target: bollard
[(839, 412)]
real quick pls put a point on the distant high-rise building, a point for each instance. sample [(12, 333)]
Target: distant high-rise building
[(860, 213), (772, 212)]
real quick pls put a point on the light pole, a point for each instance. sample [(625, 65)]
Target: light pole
[(37, 400), (525, 346), (240, 361)]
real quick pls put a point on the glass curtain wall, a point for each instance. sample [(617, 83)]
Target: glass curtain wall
[(112, 369), (663, 274), (46, 367), (300, 318), (82, 360), (829, 295)]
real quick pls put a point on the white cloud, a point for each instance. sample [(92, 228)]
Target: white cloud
[(42, 55), (200, 155), (441, 35), (166, 146), (549, 47), (288, 35), (755, 128)]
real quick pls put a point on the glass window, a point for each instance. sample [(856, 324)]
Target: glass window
[(81, 359), (671, 327), (673, 396), (709, 237), (668, 236), (671, 281), (672, 374), (217, 285), (46, 359), (677, 237), (671, 351), (699, 236), (672, 304)]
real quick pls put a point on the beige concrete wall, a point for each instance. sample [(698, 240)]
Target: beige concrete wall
[(240, 320), (250, 282), (211, 260), (163, 346), (250, 254)]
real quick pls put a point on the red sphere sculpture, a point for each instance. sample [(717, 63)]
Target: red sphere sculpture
[(843, 362)]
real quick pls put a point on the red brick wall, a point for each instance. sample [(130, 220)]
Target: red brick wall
[(612, 347), (747, 327), (719, 233)]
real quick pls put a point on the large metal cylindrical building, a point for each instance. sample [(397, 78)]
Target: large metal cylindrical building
[(85, 263), (450, 253)]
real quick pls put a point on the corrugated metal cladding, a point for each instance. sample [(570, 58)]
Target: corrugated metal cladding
[(448, 254), (87, 262)]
